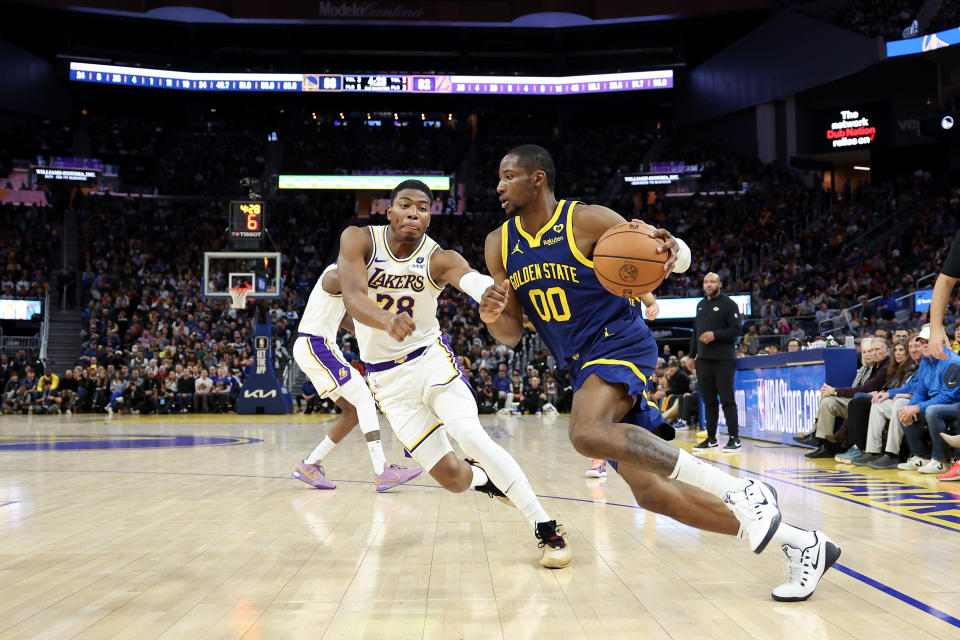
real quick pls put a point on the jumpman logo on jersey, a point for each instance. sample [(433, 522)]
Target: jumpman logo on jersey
[(517, 248)]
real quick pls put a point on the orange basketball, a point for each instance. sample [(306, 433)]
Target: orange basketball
[(626, 260)]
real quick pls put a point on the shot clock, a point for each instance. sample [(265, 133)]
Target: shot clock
[(248, 219)]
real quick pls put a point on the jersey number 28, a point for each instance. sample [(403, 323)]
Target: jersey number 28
[(404, 303)]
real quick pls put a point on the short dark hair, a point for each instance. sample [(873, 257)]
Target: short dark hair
[(411, 184), (535, 158)]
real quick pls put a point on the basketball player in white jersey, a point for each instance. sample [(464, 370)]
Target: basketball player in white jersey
[(391, 277), (316, 352)]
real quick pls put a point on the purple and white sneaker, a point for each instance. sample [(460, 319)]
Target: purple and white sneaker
[(393, 475), (312, 474)]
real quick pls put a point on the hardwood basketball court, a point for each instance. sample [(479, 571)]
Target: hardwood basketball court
[(191, 527)]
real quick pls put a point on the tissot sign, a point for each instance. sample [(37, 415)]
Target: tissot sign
[(851, 129)]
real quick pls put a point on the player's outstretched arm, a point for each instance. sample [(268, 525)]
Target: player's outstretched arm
[(355, 249), (499, 307)]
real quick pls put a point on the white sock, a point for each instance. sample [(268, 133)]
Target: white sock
[(321, 451), (479, 477), (705, 476), (500, 466), (794, 536), (376, 456)]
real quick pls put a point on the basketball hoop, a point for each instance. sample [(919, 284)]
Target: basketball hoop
[(238, 296)]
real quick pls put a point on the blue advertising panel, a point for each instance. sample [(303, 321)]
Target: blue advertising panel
[(939, 40), (922, 299), (778, 396), (261, 391)]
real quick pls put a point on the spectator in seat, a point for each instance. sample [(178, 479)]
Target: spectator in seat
[(186, 388), (168, 395), (853, 434), (11, 390), (678, 383), (310, 397), (487, 398), (533, 396), (501, 384), (793, 345), (69, 385), (201, 398), (834, 402), (101, 391), (933, 392)]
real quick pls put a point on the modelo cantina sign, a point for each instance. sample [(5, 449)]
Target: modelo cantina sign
[(852, 130)]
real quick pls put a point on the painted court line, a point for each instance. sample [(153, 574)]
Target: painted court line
[(890, 591), (832, 495)]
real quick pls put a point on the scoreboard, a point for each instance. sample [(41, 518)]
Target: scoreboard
[(370, 83), (248, 219)]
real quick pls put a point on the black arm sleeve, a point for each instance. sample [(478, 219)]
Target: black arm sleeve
[(731, 318), (951, 266)]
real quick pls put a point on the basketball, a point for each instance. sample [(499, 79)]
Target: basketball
[(626, 260)]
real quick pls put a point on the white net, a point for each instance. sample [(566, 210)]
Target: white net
[(238, 297)]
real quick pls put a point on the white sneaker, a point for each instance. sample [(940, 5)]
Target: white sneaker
[(805, 567), (69, 412), (912, 464), (933, 466), (755, 506)]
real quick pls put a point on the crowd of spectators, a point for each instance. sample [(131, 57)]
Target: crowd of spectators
[(28, 245), (799, 251)]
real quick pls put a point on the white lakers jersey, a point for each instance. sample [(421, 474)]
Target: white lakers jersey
[(400, 286), (323, 313)]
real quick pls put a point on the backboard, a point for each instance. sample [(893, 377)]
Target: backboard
[(259, 269)]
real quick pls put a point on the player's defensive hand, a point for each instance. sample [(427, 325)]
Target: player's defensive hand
[(939, 343), (494, 301), (400, 326)]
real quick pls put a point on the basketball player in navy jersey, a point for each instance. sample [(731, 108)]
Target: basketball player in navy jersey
[(540, 261)]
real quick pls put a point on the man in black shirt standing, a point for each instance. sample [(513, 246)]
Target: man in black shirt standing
[(715, 329)]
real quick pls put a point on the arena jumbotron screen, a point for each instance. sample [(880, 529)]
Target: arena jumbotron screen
[(370, 83)]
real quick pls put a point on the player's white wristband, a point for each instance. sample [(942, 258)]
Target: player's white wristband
[(683, 257), (475, 283)]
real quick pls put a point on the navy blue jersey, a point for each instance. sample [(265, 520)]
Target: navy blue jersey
[(558, 289)]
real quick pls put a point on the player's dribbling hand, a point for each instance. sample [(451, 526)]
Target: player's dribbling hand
[(668, 246), (494, 301), (400, 326), (939, 343)]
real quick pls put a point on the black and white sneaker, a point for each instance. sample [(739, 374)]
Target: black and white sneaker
[(805, 567), (555, 553), (755, 505), (733, 444), (706, 444), (489, 488)]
